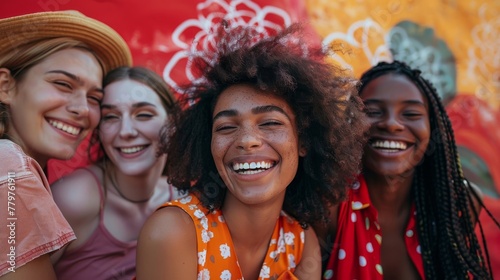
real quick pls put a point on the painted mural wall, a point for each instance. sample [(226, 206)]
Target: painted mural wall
[(454, 42)]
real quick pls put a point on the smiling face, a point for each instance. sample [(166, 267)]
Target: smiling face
[(400, 129), (55, 104), (254, 144), (132, 116)]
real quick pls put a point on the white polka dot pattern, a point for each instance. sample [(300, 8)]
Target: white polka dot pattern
[(357, 247)]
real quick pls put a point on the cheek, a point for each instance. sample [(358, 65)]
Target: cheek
[(425, 133), (94, 116), (152, 129), (219, 147), (107, 132)]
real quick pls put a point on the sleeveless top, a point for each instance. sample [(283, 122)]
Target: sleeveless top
[(32, 224), (357, 248), (101, 257), (216, 256)]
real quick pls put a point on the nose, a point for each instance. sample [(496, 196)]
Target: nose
[(127, 128), (249, 138), (391, 123), (79, 105)]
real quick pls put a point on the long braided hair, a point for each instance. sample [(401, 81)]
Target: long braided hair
[(442, 196)]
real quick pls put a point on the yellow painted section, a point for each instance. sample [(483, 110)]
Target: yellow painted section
[(471, 30)]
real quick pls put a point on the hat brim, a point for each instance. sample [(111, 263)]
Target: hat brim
[(104, 41)]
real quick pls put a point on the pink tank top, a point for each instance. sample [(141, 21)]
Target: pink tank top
[(102, 257)]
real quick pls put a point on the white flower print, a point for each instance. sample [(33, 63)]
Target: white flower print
[(204, 274), (225, 251), (302, 237), (265, 271), (281, 245), (202, 257), (291, 261), (225, 275), (206, 235), (221, 219), (273, 254), (204, 223), (199, 214), (186, 200), (289, 237)]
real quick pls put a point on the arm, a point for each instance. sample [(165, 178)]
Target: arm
[(39, 268), (167, 246), (78, 198), (310, 263)]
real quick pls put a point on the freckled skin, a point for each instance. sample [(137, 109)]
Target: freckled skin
[(247, 135)]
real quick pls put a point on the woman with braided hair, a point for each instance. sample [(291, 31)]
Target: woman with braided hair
[(411, 213)]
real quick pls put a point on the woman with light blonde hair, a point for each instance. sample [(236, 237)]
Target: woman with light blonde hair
[(51, 70)]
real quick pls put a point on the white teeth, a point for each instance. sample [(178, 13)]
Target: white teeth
[(393, 145), (252, 166), (132, 150), (65, 127)]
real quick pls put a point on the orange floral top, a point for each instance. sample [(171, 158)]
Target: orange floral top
[(216, 256)]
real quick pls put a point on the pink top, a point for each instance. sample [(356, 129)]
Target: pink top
[(357, 247), (216, 256), (101, 257), (32, 223)]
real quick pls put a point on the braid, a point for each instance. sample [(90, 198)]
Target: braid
[(449, 245)]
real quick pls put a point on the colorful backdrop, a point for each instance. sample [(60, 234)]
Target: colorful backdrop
[(455, 43)]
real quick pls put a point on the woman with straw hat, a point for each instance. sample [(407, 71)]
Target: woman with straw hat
[(51, 70)]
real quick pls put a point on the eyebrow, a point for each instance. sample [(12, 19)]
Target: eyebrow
[(255, 110), (71, 76), (135, 105), (377, 101)]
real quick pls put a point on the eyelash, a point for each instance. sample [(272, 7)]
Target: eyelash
[(270, 123), (63, 84)]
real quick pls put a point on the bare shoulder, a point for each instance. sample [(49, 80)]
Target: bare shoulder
[(167, 246), (168, 223), (77, 196), (310, 263)]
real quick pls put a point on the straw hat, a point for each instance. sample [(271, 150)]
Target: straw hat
[(108, 45)]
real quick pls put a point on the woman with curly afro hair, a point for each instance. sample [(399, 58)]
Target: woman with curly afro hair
[(272, 138)]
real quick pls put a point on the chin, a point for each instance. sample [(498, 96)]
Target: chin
[(64, 154), (134, 170)]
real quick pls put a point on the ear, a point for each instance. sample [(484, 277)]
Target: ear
[(6, 86), (302, 150)]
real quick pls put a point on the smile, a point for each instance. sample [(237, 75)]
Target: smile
[(131, 150), (389, 146), (65, 127), (252, 167)]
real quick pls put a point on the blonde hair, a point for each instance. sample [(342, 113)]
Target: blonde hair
[(22, 58)]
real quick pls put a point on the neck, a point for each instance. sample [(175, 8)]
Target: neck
[(251, 226), (134, 188), (41, 159), (390, 194)]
